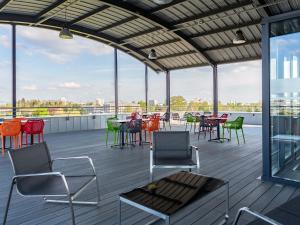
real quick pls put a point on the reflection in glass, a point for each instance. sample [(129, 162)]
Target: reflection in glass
[(284, 104)]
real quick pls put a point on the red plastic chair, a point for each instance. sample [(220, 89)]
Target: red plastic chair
[(224, 118), (33, 127), (10, 129)]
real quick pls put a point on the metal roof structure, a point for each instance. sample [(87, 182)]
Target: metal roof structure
[(185, 33)]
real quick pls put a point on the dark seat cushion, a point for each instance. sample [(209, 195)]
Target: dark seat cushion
[(287, 213), (51, 185), (174, 162)]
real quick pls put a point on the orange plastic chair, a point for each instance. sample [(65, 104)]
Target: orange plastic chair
[(20, 119), (152, 125), (10, 129)]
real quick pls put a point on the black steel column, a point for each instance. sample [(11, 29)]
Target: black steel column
[(116, 81), (14, 81), (168, 92), (146, 87), (215, 90)]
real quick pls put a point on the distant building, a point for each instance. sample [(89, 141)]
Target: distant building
[(100, 101), (153, 102)]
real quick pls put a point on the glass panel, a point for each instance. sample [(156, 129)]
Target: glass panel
[(236, 83), (5, 71), (62, 73), (131, 83), (156, 91), (191, 90), (284, 103)]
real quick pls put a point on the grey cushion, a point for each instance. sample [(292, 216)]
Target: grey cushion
[(51, 185)]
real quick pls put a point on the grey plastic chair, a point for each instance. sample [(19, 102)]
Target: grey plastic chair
[(171, 149), (34, 177)]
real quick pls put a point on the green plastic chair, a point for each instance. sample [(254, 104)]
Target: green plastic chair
[(236, 125), (113, 128), (190, 119)]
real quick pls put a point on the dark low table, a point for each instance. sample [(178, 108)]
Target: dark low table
[(164, 197)]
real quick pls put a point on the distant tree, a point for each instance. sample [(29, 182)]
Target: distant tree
[(178, 103)]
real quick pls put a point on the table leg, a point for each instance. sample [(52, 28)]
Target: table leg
[(119, 212), (218, 129), (227, 202), (31, 139), (123, 136)]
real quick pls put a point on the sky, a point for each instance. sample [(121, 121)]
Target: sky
[(81, 70)]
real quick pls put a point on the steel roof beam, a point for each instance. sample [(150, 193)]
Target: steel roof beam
[(177, 55), (157, 22), (87, 15), (51, 7), (248, 42), (213, 12), (166, 6), (119, 23), (4, 4), (266, 10), (227, 28), (160, 44)]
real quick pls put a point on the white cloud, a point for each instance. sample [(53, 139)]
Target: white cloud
[(4, 41), (31, 87), (47, 43), (71, 85)]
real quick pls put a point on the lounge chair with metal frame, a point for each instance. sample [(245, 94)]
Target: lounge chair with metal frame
[(35, 177), (171, 149), (287, 213)]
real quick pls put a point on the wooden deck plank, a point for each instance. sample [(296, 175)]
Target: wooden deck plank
[(122, 170)]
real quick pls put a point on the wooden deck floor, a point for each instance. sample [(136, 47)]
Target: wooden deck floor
[(122, 170)]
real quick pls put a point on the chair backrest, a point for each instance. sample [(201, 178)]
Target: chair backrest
[(30, 160), (135, 125), (111, 126), (190, 118), (175, 116), (166, 116), (171, 145), (153, 124), (224, 118), (239, 122), (34, 126), (10, 128)]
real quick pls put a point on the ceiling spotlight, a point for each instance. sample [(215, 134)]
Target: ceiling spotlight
[(162, 2), (65, 33), (152, 55), (239, 38)]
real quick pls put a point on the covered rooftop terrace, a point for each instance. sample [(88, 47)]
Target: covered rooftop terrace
[(122, 170)]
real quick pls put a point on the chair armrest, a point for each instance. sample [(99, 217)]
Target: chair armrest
[(255, 214), (194, 148), (78, 158)]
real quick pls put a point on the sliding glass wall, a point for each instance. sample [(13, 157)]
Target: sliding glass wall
[(283, 146), (5, 70)]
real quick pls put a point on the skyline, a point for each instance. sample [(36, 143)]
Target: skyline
[(82, 70)]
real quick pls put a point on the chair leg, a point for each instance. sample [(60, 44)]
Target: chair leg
[(43, 139), (237, 136), (3, 144), (170, 124), (72, 210), (106, 137), (8, 201), (243, 135), (186, 126), (39, 138), (15, 142), (98, 190), (26, 140)]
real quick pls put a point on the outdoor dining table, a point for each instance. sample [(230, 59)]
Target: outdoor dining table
[(218, 138), (123, 128)]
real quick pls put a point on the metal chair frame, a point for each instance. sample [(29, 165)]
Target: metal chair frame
[(71, 198), (255, 214)]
